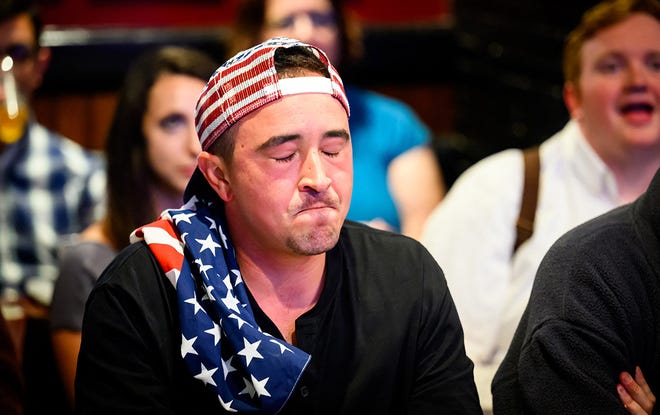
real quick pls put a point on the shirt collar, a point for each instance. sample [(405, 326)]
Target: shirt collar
[(587, 165)]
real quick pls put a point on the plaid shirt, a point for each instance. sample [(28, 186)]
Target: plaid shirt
[(49, 187)]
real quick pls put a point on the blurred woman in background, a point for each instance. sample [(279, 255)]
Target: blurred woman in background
[(151, 152)]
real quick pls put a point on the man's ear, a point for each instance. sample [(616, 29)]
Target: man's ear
[(216, 173), (572, 100)]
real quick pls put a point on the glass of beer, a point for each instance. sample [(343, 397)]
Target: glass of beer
[(13, 109)]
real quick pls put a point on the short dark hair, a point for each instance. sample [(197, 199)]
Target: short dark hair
[(600, 17), (129, 174), (10, 9)]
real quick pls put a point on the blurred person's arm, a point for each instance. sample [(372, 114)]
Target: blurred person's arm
[(80, 264), (416, 183), (66, 346), (11, 385)]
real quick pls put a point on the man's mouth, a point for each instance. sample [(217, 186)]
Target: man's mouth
[(637, 107), (314, 207), (638, 112)]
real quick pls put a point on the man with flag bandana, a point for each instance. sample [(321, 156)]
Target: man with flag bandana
[(257, 296)]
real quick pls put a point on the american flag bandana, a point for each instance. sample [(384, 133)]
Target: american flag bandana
[(221, 343), (249, 81)]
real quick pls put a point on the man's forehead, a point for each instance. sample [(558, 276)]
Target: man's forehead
[(302, 108), (294, 115), (636, 31)]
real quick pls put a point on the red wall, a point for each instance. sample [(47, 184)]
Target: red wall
[(154, 13)]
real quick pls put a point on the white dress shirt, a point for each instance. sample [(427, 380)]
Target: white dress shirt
[(472, 231)]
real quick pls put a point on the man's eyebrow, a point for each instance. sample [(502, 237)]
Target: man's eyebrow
[(277, 140), (341, 133), (281, 139), (617, 54)]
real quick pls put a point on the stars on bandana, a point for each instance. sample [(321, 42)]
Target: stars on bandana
[(208, 295), (231, 302), (203, 268), (227, 368), (212, 222), (195, 303), (215, 332), (259, 372), (260, 386), (283, 348), (239, 320), (249, 389), (182, 217), (238, 278), (187, 346), (224, 238), (206, 375), (226, 405), (209, 244), (250, 351), (227, 282)]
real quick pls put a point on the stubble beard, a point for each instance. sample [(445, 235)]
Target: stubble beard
[(314, 241)]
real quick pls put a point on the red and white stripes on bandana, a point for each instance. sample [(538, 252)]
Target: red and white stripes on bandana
[(249, 81)]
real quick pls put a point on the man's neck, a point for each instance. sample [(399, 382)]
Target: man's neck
[(633, 167), (634, 173), (284, 288), (632, 184)]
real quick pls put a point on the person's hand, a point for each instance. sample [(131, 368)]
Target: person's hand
[(635, 394)]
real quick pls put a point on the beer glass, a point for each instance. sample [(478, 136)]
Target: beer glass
[(13, 109)]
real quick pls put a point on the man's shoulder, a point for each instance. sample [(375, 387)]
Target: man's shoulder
[(606, 239), (489, 187), (613, 225), (375, 243), (384, 261), (358, 230), (133, 265), (505, 164)]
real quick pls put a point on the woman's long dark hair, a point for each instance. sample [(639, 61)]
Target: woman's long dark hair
[(129, 175)]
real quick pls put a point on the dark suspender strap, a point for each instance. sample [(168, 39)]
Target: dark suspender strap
[(525, 223)]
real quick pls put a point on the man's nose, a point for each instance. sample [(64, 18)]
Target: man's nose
[(636, 77), (313, 173)]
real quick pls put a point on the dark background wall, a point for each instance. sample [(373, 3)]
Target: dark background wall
[(483, 74), (508, 69)]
